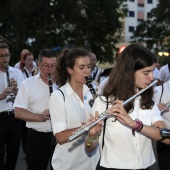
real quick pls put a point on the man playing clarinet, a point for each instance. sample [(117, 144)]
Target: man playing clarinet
[(10, 128), (31, 105)]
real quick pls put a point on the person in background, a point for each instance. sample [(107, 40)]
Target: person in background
[(28, 70), (24, 51), (162, 99), (126, 139), (158, 66), (69, 108), (164, 73), (10, 128), (105, 74), (26, 65), (31, 105), (95, 71)]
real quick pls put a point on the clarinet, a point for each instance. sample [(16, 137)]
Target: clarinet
[(10, 98), (92, 90), (50, 84), (83, 129)]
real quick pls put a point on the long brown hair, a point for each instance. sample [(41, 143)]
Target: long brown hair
[(122, 80)]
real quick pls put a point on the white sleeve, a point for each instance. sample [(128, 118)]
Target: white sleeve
[(22, 97), (161, 74), (57, 112), (157, 94)]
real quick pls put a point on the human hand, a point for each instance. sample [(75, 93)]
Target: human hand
[(6, 92), (13, 83), (96, 130), (118, 111), (161, 106), (45, 115)]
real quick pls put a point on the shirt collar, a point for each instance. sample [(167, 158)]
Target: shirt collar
[(70, 91)]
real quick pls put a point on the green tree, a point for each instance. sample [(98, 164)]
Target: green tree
[(156, 29), (50, 23)]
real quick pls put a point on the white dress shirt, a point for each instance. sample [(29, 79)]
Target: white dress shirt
[(164, 73), (164, 99), (33, 95), (95, 73), (68, 112), (15, 74), (122, 150)]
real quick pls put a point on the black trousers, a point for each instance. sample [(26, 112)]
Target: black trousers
[(10, 139), (38, 149), (163, 152)]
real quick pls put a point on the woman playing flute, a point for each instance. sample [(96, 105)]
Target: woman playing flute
[(125, 141)]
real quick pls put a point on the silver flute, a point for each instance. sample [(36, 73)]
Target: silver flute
[(85, 128)]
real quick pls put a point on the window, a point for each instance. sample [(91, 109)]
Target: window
[(131, 13), (149, 1), (140, 20), (141, 5), (131, 28)]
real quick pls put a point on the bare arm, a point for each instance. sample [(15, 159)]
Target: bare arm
[(93, 134), (62, 137), (28, 116), (152, 132)]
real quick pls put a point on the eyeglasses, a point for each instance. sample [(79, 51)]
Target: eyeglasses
[(47, 66), (5, 55)]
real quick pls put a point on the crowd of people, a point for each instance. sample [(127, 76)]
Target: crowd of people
[(43, 103)]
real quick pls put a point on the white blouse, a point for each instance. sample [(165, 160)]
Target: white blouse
[(68, 112), (165, 99), (122, 149)]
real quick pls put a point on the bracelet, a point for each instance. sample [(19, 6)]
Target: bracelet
[(138, 126), (90, 140)]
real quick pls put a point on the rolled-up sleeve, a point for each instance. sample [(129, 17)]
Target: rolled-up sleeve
[(57, 112)]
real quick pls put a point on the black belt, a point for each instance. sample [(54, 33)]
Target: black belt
[(7, 112)]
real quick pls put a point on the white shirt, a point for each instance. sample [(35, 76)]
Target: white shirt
[(13, 73), (28, 74), (155, 73), (165, 99), (121, 149), (17, 65), (33, 95), (164, 73), (102, 85), (95, 73), (69, 114)]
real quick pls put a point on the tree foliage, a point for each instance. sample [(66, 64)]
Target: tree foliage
[(57, 23), (156, 29)]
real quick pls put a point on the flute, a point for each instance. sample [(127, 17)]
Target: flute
[(83, 129)]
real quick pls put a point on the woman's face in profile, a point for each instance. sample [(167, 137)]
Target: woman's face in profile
[(80, 70), (144, 77), (29, 61)]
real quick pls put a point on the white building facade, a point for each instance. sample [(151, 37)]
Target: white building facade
[(138, 11)]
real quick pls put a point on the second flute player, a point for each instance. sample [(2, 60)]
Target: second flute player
[(125, 141)]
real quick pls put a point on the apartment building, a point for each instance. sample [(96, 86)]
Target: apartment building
[(138, 10)]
